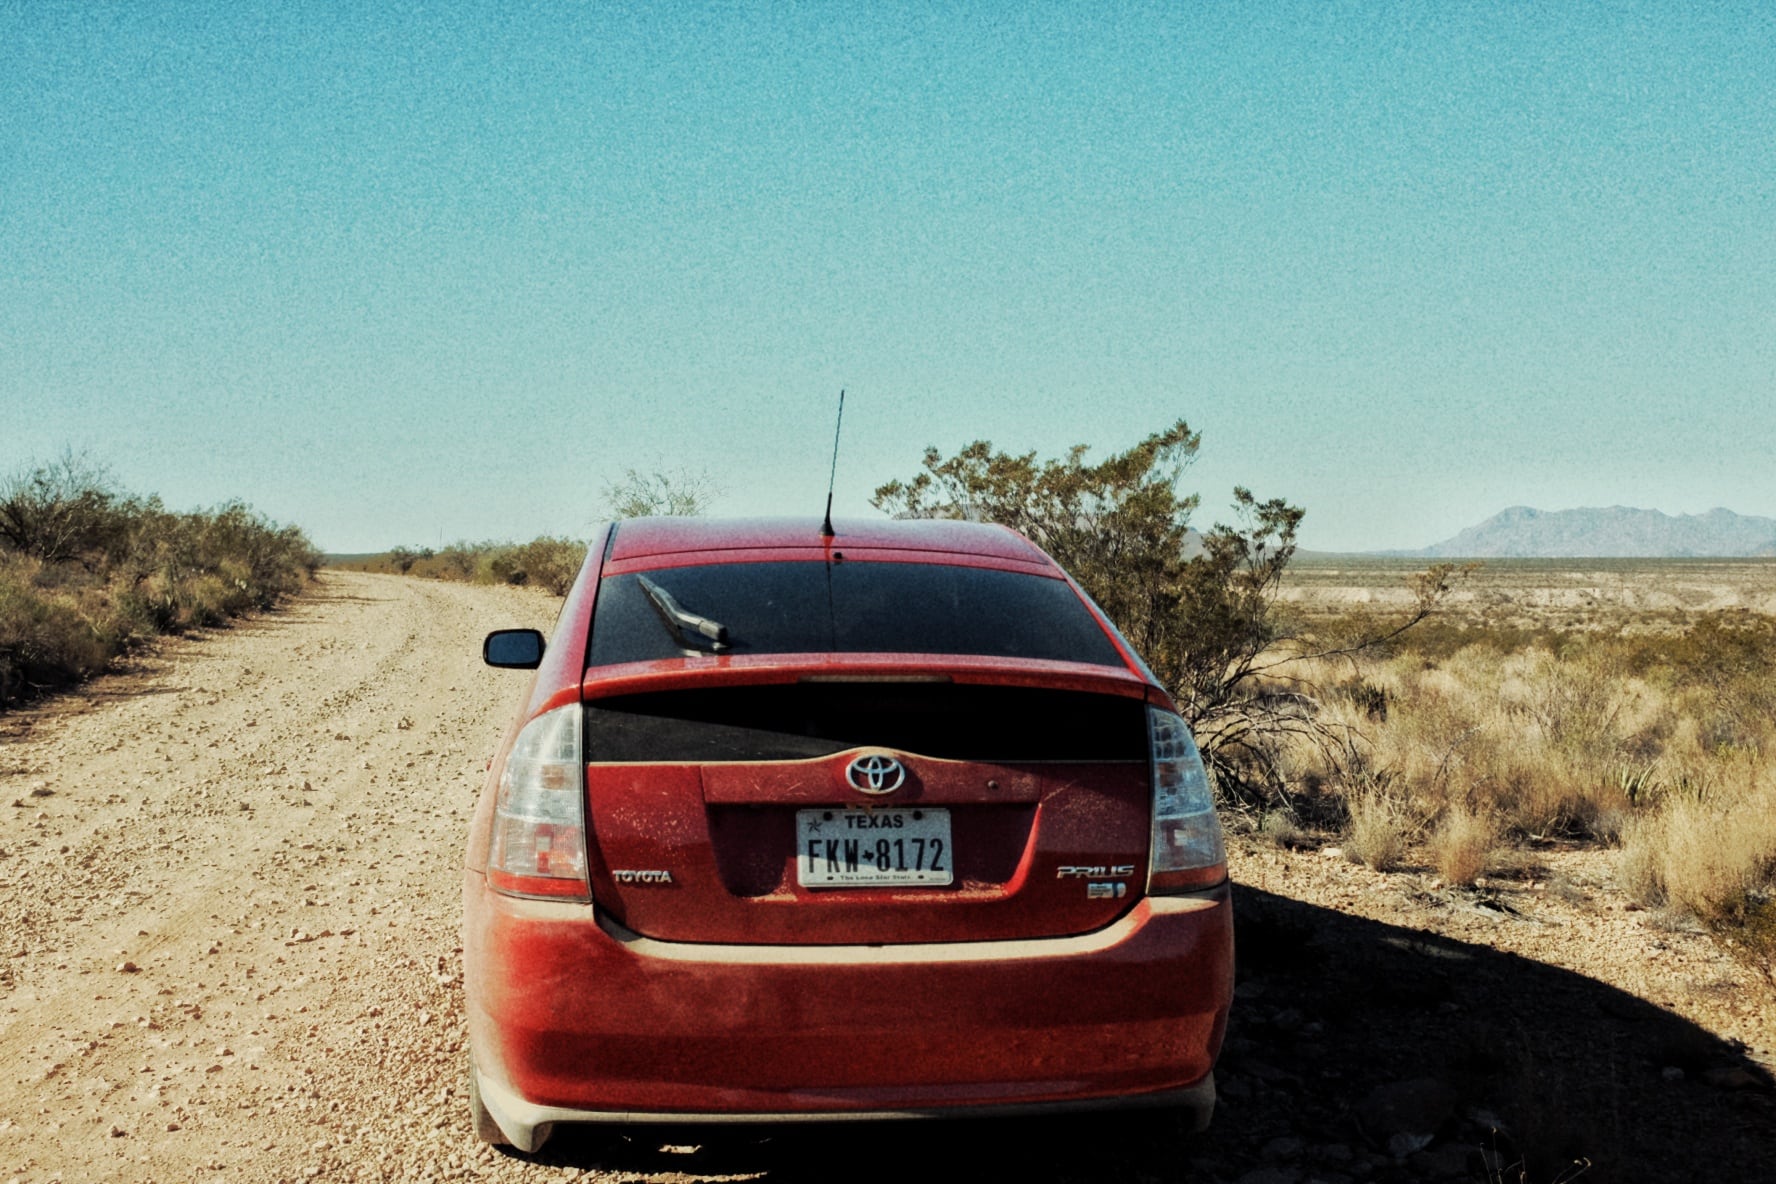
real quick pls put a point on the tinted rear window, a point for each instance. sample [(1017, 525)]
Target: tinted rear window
[(805, 720), (812, 607)]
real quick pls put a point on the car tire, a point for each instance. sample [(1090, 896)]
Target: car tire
[(486, 1129)]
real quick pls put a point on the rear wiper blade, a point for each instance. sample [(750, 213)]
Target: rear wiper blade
[(682, 621)]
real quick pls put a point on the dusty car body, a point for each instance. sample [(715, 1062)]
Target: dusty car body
[(888, 823)]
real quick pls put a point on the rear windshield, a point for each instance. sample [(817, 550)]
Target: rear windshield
[(814, 607), (806, 720)]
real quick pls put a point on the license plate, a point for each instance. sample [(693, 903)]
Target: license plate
[(863, 848)]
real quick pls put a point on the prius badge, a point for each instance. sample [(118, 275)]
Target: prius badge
[(876, 774), (1103, 881)]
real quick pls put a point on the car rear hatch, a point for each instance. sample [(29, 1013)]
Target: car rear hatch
[(934, 740), (909, 806)]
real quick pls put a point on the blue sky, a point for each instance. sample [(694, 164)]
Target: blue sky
[(419, 272)]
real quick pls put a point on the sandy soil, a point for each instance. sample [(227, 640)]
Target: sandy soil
[(229, 897)]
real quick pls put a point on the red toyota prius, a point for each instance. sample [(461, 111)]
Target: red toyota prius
[(890, 823)]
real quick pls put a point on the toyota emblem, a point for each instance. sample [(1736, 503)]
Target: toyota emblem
[(875, 774)]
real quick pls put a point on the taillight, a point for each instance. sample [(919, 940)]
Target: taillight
[(1187, 850), (539, 818)]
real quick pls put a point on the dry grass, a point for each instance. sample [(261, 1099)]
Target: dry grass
[(1381, 829), (1461, 846), (1637, 709), (1531, 740), (1709, 852)]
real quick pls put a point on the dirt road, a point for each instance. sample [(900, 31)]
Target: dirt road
[(229, 896)]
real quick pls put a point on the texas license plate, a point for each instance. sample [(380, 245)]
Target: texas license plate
[(864, 848)]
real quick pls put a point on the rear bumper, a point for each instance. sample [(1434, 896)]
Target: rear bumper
[(574, 1020), (528, 1125)]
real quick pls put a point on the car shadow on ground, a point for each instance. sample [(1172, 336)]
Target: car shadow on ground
[(1358, 1051)]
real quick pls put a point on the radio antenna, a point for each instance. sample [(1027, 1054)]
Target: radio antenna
[(826, 527)]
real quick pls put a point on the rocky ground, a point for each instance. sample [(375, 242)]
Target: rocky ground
[(228, 951)]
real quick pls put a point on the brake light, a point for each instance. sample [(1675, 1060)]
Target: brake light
[(1187, 849), (539, 818)]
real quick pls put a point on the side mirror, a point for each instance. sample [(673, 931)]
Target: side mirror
[(513, 649)]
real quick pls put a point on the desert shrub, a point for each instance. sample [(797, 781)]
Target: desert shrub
[(44, 639), (87, 571), (501, 566), (548, 563), (460, 561), (67, 511), (402, 559), (147, 607)]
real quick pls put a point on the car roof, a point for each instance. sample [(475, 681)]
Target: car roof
[(652, 538)]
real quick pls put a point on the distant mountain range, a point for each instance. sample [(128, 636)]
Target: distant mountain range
[(1613, 532)]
